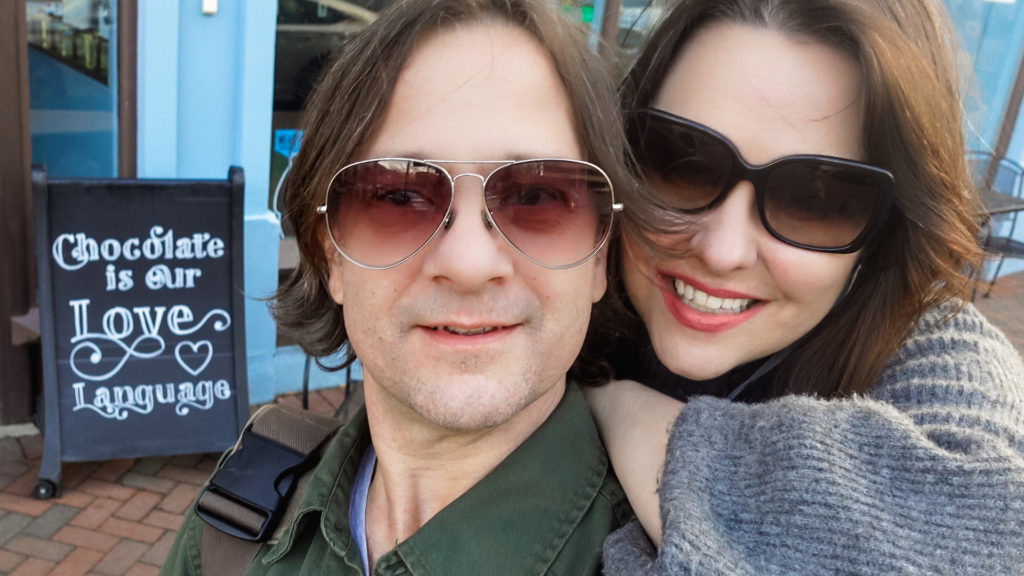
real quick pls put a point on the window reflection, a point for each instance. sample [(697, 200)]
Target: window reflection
[(73, 86), (75, 32)]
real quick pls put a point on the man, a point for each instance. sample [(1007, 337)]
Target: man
[(452, 233)]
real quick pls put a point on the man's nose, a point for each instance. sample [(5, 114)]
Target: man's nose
[(727, 236), (468, 251)]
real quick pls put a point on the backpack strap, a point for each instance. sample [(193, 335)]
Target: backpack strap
[(248, 495)]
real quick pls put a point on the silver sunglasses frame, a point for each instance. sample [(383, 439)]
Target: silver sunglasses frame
[(487, 216)]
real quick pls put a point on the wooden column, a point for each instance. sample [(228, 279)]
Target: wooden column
[(17, 270), (127, 100)]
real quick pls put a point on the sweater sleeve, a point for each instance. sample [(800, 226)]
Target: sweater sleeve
[(923, 476)]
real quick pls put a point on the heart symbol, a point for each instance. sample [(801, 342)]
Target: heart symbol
[(202, 350)]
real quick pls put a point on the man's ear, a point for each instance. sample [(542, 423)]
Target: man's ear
[(600, 273), (334, 267)]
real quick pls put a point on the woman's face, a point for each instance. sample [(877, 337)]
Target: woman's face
[(772, 96)]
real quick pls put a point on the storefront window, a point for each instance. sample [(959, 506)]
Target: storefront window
[(637, 20), (73, 86), (308, 32)]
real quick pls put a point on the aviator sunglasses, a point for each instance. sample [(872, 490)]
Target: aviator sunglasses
[(555, 212), (820, 203)]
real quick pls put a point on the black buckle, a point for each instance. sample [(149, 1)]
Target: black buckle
[(259, 475)]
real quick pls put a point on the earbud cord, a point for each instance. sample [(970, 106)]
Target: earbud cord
[(781, 354), (771, 363)]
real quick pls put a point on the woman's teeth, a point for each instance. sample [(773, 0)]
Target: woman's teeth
[(704, 302)]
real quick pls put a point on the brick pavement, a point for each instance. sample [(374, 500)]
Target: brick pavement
[(114, 518), (1005, 307), (120, 517)]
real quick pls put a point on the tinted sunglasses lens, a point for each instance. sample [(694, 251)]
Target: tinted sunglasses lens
[(382, 211), (821, 205), (556, 212), (689, 168)]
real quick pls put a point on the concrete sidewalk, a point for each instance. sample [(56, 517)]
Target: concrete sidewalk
[(120, 517)]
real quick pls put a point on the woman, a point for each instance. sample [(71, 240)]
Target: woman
[(797, 279)]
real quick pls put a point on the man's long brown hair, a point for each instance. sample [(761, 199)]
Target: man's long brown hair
[(927, 249), (347, 107)]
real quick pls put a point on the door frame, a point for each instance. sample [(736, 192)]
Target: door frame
[(19, 370)]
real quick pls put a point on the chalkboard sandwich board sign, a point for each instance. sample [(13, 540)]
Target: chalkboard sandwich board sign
[(142, 318)]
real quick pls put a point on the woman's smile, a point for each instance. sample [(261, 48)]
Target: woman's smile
[(709, 302)]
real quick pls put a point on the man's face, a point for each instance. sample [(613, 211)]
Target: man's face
[(469, 334)]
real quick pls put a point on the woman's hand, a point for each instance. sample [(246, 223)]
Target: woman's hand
[(635, 422)]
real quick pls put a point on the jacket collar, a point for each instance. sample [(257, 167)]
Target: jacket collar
[(519, 516)]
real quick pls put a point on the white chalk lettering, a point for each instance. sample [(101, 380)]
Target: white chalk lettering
[(161, 276), (80, 308), (149, 322), (110, 322), (110, 250), (118, 279), (79, 252), (178, 315), (140, 339), (165, 394), (222, 390), (131, 249), (125, 281), (111, 274), (73, 251), (117, 402), (215, 248)]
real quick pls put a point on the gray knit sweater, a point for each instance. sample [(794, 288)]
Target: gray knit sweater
[(925, 475)]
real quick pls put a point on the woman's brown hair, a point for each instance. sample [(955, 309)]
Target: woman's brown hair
[(927, 248), (348, 104)]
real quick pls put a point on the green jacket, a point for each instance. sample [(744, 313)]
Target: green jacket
[(545, 509)]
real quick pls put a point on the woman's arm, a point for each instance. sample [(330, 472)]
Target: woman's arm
[(923, 475), (635, 422)]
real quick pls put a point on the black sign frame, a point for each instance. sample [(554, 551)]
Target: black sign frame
[(182, 203)]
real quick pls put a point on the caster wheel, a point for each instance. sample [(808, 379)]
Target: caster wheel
[(44, 490)]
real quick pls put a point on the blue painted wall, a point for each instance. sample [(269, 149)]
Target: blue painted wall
[(205, 86)]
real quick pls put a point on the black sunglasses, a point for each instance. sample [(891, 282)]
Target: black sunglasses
[(814, 202)]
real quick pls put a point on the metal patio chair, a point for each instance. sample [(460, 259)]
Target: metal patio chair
[(1003, 203)]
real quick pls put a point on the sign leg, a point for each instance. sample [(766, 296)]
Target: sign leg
[(48, 485)]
